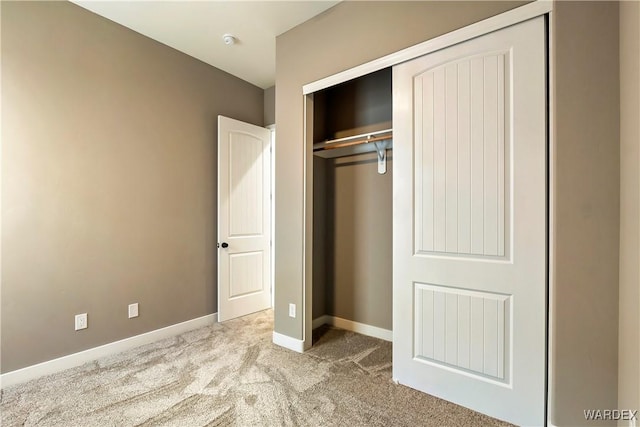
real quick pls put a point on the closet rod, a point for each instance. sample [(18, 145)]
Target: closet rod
[(354, 140)]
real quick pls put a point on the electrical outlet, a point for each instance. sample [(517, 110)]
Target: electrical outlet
[(81, 321), (292, 310), (133, 310)]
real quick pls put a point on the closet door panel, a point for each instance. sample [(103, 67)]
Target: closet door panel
[(469, 251), (461, 180)]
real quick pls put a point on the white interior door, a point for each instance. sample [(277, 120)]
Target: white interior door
[(244, 218), (469, 223)]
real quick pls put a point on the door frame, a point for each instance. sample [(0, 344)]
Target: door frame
[(494, 23), (272, 207)]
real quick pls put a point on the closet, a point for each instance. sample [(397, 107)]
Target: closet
[(352, 202), (451, 254)]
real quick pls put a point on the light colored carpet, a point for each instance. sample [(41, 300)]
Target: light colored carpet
[(232, 374)]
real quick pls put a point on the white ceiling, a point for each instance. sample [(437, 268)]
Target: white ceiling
[(196, 28)]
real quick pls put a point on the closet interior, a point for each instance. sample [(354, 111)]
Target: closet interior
[(352, 200)]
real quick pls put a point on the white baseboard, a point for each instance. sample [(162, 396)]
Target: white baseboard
[(350, 325), (76, 359), (322, 320), (288, 342)]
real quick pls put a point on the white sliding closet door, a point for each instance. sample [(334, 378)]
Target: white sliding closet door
[(469, 223)]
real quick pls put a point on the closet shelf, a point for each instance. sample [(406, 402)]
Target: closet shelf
[(357, 144), (378, 142)]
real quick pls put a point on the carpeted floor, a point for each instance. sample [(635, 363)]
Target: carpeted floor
[(232, 374)]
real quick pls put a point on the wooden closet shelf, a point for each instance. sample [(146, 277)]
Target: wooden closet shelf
[(357, 144), (378, 142)]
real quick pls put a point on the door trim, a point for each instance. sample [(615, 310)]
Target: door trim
[(551, 211), (506, 19), (272, 208)]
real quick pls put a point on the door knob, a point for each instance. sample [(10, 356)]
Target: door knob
[(224, 245)]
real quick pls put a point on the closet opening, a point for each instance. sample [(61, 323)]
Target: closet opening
[(349, 133)]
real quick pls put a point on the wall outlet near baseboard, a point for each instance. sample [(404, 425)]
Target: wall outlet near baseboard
[(292, 310), (133, 310), (81, 321)]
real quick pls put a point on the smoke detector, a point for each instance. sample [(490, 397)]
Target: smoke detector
[(229, 39)]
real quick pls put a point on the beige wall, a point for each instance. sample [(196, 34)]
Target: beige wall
[(629, 337), (269, 106), (585, 185), (108, 180), (323, 226), (359, 252), (346, 35)]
